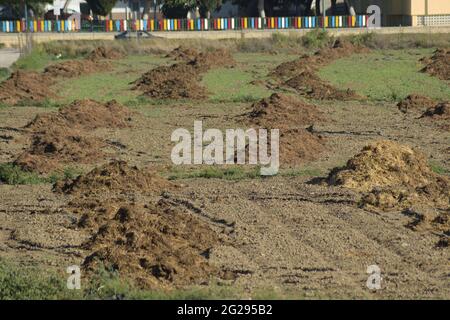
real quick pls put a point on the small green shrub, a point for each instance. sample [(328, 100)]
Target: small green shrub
[(4, 73), (363, 39), (14, 175), (316, 38), (69, 173)]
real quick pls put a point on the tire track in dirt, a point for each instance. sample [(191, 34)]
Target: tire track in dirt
[(319, 246)]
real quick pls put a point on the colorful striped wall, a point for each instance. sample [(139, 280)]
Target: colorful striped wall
[(186, 24)]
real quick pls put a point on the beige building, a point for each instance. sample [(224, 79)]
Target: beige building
[(409, 12)]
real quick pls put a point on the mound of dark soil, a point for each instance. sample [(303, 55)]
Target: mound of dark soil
[(116, 177), (309, 84), (439, 113), (57, 145), (217, 58), (24, 86), (298, 146), (157, 246), (301, 74), (171, 82), (182, 53), (181, 80), (438, 65), (393, 175), (105, 53), (86, 114), (61, 137), (282, 111), (76, 68), (340, 49), (414, 103)]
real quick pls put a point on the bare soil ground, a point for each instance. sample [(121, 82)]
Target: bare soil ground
[(305, 232)]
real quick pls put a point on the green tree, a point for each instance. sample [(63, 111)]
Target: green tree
[(207, 6), (101, 7), (177, 8), (180, 8), (18, 6), (263, 7)]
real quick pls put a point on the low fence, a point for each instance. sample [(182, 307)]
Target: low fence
[(184, 24)]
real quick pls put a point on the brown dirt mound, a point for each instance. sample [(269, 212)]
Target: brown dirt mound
[(213, 59), (309, 84), (301, 74), (441, 111), (182, 53), (86, 114), (415, 102), (75, 68), (181, 80), (340, 49), (24, 86), (116, 176), (56, 145), (299, 146), (282, 111), (105, 53), (155, 245), (426, 218), (438, 65), (171, 82), (60, 138), (392, 175)]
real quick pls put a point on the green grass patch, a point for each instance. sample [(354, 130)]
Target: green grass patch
[(110, 85), (4, 74), (236, 173), (14, 175), (99, 86), (30, 283), (47, 103), (232, 85), (388, 75), (18, 282), (33, 283), (37, 60), (306, 172), (214, 172), (437, 168), (69, 173)]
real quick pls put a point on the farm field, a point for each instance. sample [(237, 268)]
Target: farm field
[(364, 174)]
